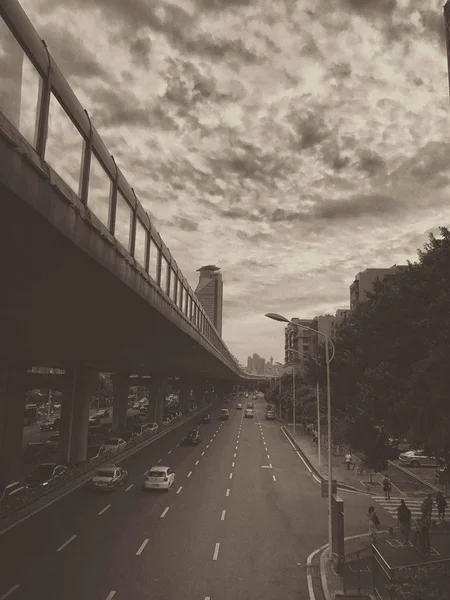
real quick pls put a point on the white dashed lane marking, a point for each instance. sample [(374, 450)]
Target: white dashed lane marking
[(10, 591), (179, 489), (216, 551), (274, 478), (129, 487), (222, 518), (164, 512), (66, 543), (231, 475), (142, 546), (104, 509), (228, 492), (189, 474)]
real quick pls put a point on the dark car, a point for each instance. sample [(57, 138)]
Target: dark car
[(192, 438), (45, 474), (224, 414), (51, 424), (206, 419), (95, 421)]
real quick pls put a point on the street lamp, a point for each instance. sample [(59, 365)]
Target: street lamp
[(277, 317), (319, 443)]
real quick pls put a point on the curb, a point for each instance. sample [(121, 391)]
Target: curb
[(14, 518), (342, 486), (419, 479)]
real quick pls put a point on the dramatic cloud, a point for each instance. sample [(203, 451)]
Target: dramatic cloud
[(290, 145)]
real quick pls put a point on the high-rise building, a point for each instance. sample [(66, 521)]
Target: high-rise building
[(364, 282), (302, 341), (210, 293), (341, 319)]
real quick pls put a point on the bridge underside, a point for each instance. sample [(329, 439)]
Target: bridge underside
[(59, 306)]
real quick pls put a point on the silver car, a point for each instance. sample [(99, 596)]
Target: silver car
[(417, 458)]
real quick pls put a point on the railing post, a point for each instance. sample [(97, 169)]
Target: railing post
[(113, 200), (84, 183), (44, 108)]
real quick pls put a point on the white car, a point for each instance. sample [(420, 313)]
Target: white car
[(239, 406), (417, 458), (113, 443), (103, 413), (249, 413), (159, 478), (108, 478)]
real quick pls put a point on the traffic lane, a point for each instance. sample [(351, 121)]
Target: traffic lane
[(181, 547), (106, 548), (287, 462), (42, 532), (272, 525)]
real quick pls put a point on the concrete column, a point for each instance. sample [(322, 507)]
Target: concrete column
[(13, 388), (158, 395), (75, 413), (120, 406), (184, 391)]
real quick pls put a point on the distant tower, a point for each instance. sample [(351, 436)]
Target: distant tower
[(210, 293)]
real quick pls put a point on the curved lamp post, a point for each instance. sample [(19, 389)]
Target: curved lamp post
[(277, 317)]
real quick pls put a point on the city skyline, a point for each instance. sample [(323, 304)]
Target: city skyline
[(214, 149)]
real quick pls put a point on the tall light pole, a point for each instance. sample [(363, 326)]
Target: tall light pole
[(319, 443), (277, 317)]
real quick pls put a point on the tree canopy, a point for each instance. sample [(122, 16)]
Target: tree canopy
[(391, 372)]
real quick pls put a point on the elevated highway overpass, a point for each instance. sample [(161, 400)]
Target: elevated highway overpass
[(88, 283)]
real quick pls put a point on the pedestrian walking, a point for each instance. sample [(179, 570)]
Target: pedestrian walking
[(387, 486), (348, 460), (374, 523), (441, 504), (425, 532), (404, 519), (427, 506)]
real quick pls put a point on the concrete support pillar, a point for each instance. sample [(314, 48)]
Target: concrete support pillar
[(184, 391), (13, 388), (75, 413), (120, 406), (158, 396)]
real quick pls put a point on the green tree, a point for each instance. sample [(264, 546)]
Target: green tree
[(428, 583), (390, 375)]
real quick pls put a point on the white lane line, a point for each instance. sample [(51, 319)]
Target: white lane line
[(228, 492), (129, 487), (203, 454), (268, 457), (210, 440), (111, 595), (10, 591), (234, 455), (231, 475), (207, 598), (236, 448), (170, 452), (66, 543), (274, 478), (179, 489), (222, 518), (196, 462), (189, 474), (216, 551), (164, 512), (178, 445), (142, 546), (160, 460), (104, 509), (232, 464), (207, 445)]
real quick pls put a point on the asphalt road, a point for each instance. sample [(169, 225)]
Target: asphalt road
[(229, 528)]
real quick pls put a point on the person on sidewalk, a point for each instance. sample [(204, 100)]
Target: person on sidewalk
[(427, 506), (387, 487), (374, 523), (348, 460), (404, 519), (425, 532), (441, 504)]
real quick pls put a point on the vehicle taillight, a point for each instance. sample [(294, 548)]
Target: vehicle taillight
[(165, 479)]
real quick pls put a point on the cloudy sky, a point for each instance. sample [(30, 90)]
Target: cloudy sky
[(292, 146)]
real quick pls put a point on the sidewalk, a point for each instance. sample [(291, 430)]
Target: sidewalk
[(342, 475)]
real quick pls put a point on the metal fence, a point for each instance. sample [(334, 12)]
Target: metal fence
[(37, 100), (366, 571)]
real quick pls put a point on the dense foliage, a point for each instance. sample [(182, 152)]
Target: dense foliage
[(391, 372)]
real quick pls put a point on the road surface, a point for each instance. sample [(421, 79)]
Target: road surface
[(240, 522)]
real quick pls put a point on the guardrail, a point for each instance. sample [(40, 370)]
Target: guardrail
[(11, 505), (39, 102)]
